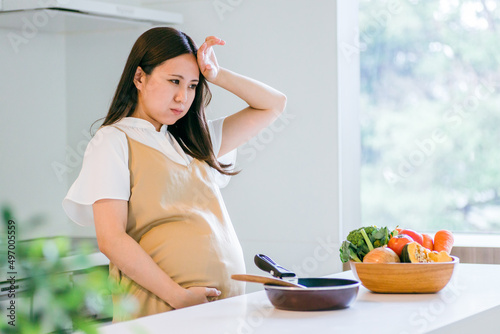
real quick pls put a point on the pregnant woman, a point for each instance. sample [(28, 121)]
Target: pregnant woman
[(149, 179)]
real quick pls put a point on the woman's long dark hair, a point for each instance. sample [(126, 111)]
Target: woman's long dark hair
[(151, 49)]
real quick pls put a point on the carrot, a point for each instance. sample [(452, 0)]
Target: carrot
[(443, 241), (428, 243)]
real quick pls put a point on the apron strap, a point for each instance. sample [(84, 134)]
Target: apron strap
[(116, 127)]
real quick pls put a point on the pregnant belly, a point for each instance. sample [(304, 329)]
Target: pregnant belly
[(193, 255)]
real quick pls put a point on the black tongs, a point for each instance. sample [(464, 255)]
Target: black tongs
[(265, 263)]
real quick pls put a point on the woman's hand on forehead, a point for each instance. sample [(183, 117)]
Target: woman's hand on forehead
[(207, 62)]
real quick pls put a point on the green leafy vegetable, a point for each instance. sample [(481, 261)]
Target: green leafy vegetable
[(361, 241), (347, 252), (367, 240)]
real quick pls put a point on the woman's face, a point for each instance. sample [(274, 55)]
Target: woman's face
[(165, 95)]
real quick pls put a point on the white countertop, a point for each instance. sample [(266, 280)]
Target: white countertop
[(472, 293)]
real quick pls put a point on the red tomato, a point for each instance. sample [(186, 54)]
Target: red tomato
[(414, 235), (397, 243)]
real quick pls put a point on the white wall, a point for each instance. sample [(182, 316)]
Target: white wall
[(32, 101)]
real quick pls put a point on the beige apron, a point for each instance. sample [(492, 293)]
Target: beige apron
[(176, 214)]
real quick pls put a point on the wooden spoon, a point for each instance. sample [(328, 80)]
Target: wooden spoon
[(265, 280)]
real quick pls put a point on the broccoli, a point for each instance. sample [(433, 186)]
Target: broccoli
[(361, 241)]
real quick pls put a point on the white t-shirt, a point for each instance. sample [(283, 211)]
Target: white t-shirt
[(105, 172)]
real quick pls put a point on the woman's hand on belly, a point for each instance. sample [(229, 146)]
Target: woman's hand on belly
[(195, 295)]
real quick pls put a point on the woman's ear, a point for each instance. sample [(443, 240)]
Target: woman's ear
[(139, 77)]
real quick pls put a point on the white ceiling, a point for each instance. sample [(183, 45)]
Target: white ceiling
[(156, 2), (148, 3)]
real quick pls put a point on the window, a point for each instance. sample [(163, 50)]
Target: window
[(430, 114)]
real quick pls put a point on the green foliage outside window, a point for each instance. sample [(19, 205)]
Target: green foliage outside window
[(430, 116)]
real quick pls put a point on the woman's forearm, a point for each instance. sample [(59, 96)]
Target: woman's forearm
[(257, 94), (125, 253)]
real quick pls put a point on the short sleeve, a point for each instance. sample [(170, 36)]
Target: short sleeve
[(104, 174), (215, 128)]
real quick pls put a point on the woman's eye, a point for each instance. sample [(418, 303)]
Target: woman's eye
[(174, 81), (193, 86)]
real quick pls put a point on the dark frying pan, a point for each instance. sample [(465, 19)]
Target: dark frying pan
[(318, 294)]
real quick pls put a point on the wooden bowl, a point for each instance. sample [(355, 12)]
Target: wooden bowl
[(404, 277)]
